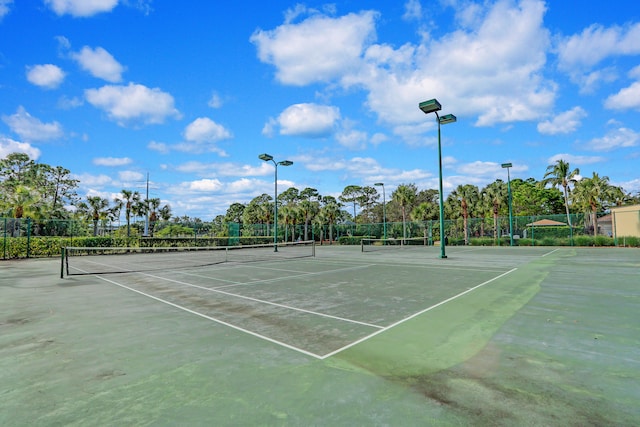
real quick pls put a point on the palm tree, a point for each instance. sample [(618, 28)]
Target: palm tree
[(592, 194), (308, 208), (153, 205), (467, 196), (423, 212), (330, 213), (560, 175), (97, 210), (129, 199), (495, 195), (404, 196)]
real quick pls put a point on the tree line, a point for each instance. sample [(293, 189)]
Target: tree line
[(40, 191)]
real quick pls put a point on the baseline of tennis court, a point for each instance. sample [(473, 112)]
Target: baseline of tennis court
[(316, 306)]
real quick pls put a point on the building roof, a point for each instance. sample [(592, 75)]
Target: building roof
[(546, 223)]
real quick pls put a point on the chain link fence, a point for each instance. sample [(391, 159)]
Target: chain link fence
[(25, 238)]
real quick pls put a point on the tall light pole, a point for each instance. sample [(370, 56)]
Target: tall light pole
[(433, 106), (384, 208), (269, 158), (507, 166)]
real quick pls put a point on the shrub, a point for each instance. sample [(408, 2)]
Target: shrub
[(583, 240)]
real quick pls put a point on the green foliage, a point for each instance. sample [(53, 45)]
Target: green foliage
[(175, 230)]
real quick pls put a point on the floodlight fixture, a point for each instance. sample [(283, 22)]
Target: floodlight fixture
[(507, 166), (269, 158), (433, 106), (430, 106)]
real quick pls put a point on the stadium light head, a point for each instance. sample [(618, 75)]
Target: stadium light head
[(285, 163), (266, 157), (448, 118), (506, 165), (430, 106)]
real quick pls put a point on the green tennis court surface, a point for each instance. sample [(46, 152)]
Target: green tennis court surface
[(497, 336)]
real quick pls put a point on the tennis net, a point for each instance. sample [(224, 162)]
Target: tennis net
[(97, 260), (370, 245)]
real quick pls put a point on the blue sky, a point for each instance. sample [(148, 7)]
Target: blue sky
[(191, 92)]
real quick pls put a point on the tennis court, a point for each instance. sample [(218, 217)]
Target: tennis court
[(336, 336)]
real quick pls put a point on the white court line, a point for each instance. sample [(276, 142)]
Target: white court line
[(213, 319), (302, 310), (386, 328), (549, 253)]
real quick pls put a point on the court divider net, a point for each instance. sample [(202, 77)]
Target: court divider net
[(101, 260)]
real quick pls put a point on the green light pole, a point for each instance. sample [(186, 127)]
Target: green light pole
[(433, 106), (507, 166), (384, 208), (269, 158)]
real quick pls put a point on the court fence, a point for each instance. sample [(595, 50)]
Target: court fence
[(26, 237)]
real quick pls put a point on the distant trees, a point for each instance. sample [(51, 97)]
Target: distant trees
[(34, 190), (39, 191)]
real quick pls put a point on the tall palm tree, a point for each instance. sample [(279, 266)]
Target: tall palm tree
[(308, 208), (495, 195), (330, 213), (467, 196), (560, 175), (404, 196), (97, 207), (592, 194), (128, 200)]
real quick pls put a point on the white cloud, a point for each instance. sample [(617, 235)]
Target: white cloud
[(130, 176), (479, 168), (67, 103), (566, 122), (616, 138), (204, 129), (626, 98), (336, 43), (412, 10), (112, 161), (48, 76), (207, 185), (492, 69), (309, 120), (30, 128), (215, 101), (225, 169), (81, 8), (133, 102), (4, 7), (99, 63), (596, 43), (89, 180), (486, 67), (160, 147), (352, 139), (574, 159), (8, 146), (580, 53)]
